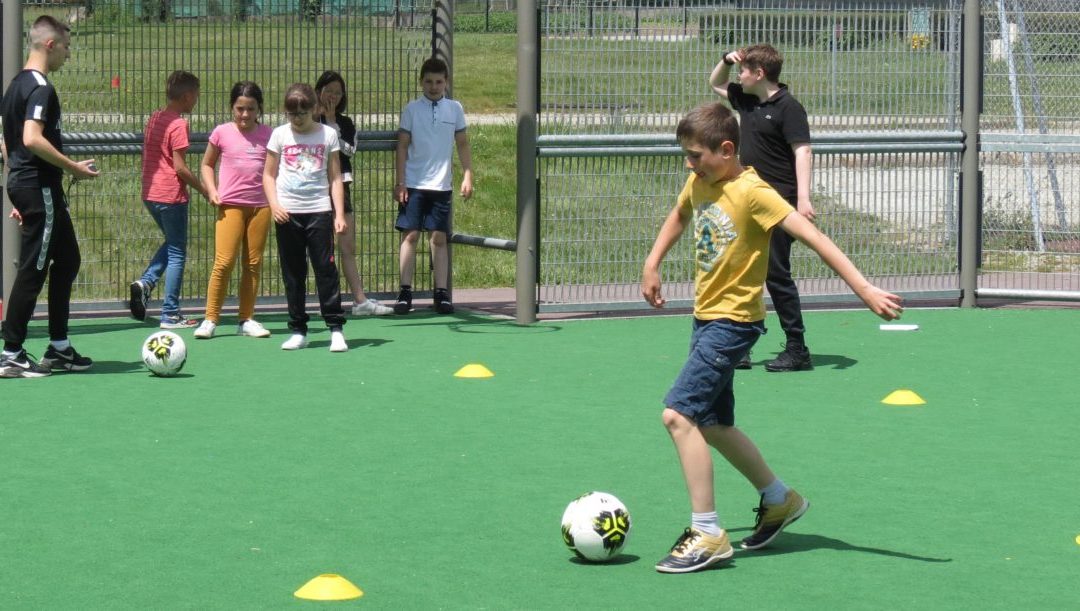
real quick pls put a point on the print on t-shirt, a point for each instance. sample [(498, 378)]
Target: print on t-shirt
[(714, 230)]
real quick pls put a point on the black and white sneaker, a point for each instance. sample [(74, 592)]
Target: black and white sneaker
[(66, 360), (19, 365), (443, 305), (404, 302), (140, 296)]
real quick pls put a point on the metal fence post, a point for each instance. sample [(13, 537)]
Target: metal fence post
[(971, 58), (11, 43), (527, 205)]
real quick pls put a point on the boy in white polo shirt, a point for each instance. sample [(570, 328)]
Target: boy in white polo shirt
[(430, 127)]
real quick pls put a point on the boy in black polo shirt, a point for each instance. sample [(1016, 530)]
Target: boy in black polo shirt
[(776, 143), (48, 247)]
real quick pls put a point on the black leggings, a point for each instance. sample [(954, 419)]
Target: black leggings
[(303, 236)]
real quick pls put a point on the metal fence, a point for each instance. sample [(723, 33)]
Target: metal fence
[(122, 51), (1030, 147), (881, 83)]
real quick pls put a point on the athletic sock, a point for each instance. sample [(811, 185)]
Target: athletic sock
[(775, 493), (60, 344), (706, 523)]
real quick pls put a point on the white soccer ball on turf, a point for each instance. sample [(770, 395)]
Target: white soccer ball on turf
[(595, 526), (164, 353)]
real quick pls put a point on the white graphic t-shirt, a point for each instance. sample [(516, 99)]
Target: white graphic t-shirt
[(303, 184)]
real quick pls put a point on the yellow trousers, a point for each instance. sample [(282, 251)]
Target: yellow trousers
[(240, 230)]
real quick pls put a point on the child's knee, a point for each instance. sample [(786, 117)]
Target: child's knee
[(411, 236), (674, 421)]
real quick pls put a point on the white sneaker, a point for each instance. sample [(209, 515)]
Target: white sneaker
[(371, 308), (206, 329), (337, 342), (296, 341), (252, 328)]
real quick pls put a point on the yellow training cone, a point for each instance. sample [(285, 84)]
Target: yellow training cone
[(329, 587), (903, 397), (474, 370)]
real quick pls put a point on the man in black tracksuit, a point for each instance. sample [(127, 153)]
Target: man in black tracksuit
[(35, 164)]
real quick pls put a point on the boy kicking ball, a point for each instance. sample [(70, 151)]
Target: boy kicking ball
[(733, 212)]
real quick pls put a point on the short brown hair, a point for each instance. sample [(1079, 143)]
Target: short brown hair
[(180, 82), (434, 65), (765, 57), (710, 125), (45, 28), (299, 97)]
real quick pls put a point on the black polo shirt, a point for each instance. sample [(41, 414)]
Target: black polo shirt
[(767, 131), (30, 96)]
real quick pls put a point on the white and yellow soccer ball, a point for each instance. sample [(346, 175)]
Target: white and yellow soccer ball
[(164, 353), (595, 526)]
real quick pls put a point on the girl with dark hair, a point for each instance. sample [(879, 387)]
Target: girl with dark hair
[(238, 150), (333, 100)]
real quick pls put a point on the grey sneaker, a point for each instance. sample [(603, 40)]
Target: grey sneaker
[(177, 322), (19, 365)]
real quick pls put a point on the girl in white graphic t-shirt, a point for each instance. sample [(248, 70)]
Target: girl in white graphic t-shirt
[(302, 180)]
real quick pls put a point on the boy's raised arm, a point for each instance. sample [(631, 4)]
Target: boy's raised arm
[(884, 304), (721, 74)]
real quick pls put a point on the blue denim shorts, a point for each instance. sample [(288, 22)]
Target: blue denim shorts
[(427, 210), (703, 391)]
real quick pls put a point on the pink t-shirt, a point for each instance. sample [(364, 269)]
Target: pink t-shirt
[(166, 131), (240, 165)]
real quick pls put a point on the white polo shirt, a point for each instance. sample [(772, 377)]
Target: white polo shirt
[(431, 126)]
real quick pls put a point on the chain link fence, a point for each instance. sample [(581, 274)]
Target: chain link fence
[(881, 84), (122, 51), (1031, 147)]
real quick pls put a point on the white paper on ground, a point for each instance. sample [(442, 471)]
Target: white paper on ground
[(899, 327)]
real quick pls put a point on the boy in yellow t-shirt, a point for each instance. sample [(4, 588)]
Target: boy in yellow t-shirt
[(733, 213)]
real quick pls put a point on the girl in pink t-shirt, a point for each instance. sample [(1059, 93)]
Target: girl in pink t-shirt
[(238, 150)]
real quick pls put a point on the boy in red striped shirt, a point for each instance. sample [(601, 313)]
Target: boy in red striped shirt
[(165, 178)]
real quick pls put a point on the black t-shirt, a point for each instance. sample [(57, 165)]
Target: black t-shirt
[(347, 134), (767, 131), (31, 96)]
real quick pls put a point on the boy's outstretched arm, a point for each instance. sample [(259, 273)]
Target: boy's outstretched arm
[(721, 74), (670, 233), (884, 304), (465, 156)]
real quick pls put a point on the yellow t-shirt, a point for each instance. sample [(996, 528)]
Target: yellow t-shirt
[(733, 221)]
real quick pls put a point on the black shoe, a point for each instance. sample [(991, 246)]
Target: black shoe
[(442, 302), (67, 360), (19, 365), (140, 296), (404, 302), (744, 362), (793, 358)]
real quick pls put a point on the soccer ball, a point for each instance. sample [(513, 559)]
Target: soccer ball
[(595, 526), (164, 353)]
